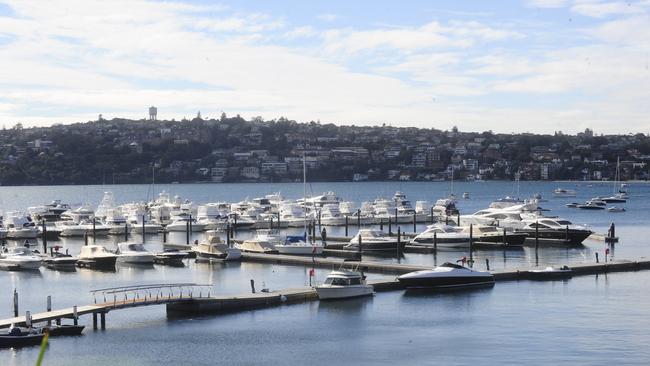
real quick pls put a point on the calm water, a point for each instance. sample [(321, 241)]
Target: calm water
[(586, 320)]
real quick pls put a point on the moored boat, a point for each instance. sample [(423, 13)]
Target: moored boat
[(446, 276), (344, 284)]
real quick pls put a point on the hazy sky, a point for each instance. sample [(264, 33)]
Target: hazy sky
[(508, 66)]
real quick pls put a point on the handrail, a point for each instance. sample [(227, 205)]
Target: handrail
[(111, 290)]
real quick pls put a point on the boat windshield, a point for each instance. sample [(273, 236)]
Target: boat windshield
[(338, 281), (136, 247), (371, 234), (451, 265), (564, 222)]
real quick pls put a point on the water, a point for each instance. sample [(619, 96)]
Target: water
[(585, 320)]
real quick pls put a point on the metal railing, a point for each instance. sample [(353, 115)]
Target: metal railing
[(150, 294)]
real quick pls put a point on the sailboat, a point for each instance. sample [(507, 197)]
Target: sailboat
[(616, 197), (298, 245)]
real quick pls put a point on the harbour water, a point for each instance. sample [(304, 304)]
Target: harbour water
[(586, 320)]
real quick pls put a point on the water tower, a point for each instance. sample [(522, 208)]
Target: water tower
[(153, 113)]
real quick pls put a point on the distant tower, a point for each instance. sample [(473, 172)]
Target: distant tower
[(153, 113), (198, 115), (100, 118)]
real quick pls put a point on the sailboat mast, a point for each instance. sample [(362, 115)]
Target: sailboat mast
[(304, 190)]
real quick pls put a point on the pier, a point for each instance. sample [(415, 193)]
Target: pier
[(183, 299)]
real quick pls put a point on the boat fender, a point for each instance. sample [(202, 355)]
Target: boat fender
[(283, 298)]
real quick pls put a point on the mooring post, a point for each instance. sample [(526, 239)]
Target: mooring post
[(85, 237), (228, 235), (359, 218), (612, 230), (164, 236), (471, 240), (390, 227), (381, 224), (49, 307), (487, 263), (28, 319), (319, 215), (446, 219), (15, 303), (94, 229), (597, 258), (346, 225), (536, 236), (94, 321), (75, 316), (313, 233), (44, 236), (234, 228), (252, 285), (126, 231), (271, 223), (187, 233), (279, 226), (431, 213), (458, 219), (566, 233), (144, 232), (435, 241), (414, 221), (399, 240), (360, 245), (102, 320), (504, 236), (396, 221)]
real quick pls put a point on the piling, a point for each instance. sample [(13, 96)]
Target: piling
[(471, 240), (360, 245), (235, 227), (566, 233), (271, 223), (28, 319), (597, 261), (126, 231), (164, 236), (49, 307), (228, 235), (396, 216), (44, 236), (359, 218), (85, 237), (399, 240), (487, 263), (431, 213), (504, 236), (458, 219), (15, 303), (143, 230), (381, 224), (536, 236), (319, 214), (94, 321), (346, 225), (414, 222), (75, 315), (435, 242), (102, 319), (187, 233), (390, 227), (279, 221), (252, 285), (446, 219), (94, 229), (190, 222)]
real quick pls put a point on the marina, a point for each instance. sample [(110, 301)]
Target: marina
[(281, 279)]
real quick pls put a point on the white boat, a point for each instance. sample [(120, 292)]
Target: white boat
[(264, 241), (134, 253), (344, 284), (331, 215), (297, 245), (550, 273), (116, 222), (374, 241), (446, 276), (616, 209), (95, 256), (216, 249), (444, 236), (592, 205), (60, 261), (19, 258), (213, 215), (180, 223), (18, 226)]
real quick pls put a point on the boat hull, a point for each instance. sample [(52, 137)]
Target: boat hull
[(570, 237), (97, 262), (343, 292), (7, 341), (446, 282)]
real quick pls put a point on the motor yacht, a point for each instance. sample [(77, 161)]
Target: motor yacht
[(96, 256), (298, 245), (554, 230), (216, 249), (446, 276), (19, 226), (442, 236), (344, 284), (19, 259), (293, 215), (494, 235), (134, 253), (59, 261), (331, 215), (264, 241), (374, 241), (180, 223), (592, 205)]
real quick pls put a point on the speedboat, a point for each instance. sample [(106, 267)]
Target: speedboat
[(374, 241), (592, 205), (60, 261), (344, 284), (95, 256), (171, 257), (19, 337), (447, 275), (134, 253), (19, 258), (180, 223), (19, 226), (216, 249), (444, 236), (297, 245), (617, 198), (573, 204), (492, 234), (555, 230), (264, 241)]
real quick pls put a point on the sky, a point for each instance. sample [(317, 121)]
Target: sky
[(508, 66)]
